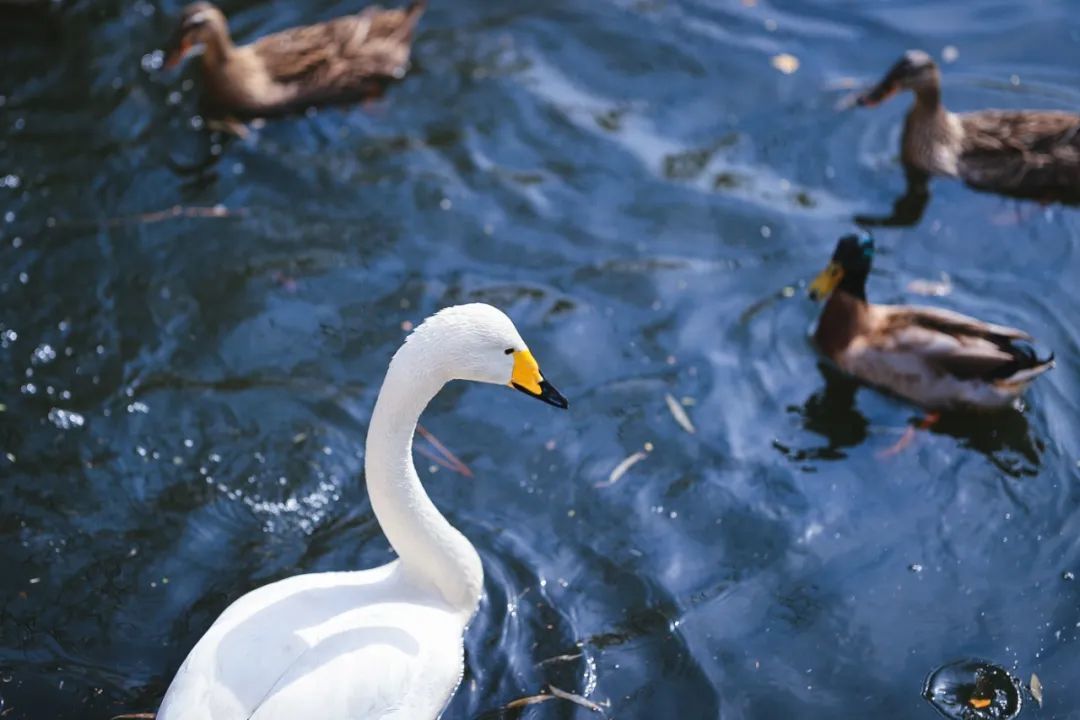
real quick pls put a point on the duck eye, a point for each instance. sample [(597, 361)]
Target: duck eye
[(508, 351)]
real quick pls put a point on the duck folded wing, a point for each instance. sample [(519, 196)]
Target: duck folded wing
[(984, 363), (1030, 151), (386, 47), (961, 346), (954, 323), (308, 54)]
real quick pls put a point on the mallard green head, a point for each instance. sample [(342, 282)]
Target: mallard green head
[(848, 268)]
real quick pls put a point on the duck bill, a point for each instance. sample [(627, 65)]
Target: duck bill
[(546, 392), (879, 93), (179, 52), (826, 281), (526, 378)]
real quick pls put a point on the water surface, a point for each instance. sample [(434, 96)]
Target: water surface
[(186, 397)]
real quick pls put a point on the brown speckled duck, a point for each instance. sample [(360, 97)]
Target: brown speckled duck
[(1026, 153), (350, 57), (935, 358)]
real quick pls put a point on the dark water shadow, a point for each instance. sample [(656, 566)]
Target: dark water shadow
[(908, 209), (1004, 437), (831, 413)]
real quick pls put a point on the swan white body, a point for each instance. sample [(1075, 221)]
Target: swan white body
[(382, 643)]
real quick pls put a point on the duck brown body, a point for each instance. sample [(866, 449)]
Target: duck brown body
[(935, 358), (1026, 153), (346, 58)]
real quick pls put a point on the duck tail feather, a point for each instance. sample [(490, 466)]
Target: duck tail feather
[(1026, 375)]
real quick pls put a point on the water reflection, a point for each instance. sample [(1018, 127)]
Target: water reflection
[(908, 209), (1004, 437), (624, 179), (831, 413)]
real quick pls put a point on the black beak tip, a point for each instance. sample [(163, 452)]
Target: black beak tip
[(548, 394), (551, 396)]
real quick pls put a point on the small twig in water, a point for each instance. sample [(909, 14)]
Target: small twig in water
[(553, 693), (435, 458), (449, 456), (560, 659), (622, 468), (679, 414), (176, 211), (576, 699), (525, 702), (215, 211)]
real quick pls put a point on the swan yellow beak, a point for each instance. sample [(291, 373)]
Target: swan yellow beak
[(826, 281), (526, 377)]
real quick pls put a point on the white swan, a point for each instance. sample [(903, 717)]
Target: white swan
[(380, 643)]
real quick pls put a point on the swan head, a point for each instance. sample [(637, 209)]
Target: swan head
[(478, 342)]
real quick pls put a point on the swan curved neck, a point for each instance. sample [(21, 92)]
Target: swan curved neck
[(431, 550)]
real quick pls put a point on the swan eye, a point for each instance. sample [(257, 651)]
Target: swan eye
[(508, 351)]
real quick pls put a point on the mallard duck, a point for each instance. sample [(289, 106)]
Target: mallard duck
[(345, 58), (385, 642), (1026, 153), (935, 358)]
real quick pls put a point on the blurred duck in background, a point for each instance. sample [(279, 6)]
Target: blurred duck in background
[(348, 58), (1024, 153), (935, 358)]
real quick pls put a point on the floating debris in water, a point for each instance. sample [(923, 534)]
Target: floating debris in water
[(679, 414), (568, 657), (1036, 689), (973, 690), (553, 693), (625, 465), (442, 455), (575, 698), (785, 63)]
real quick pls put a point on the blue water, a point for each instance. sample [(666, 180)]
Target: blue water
[(185, 397)]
